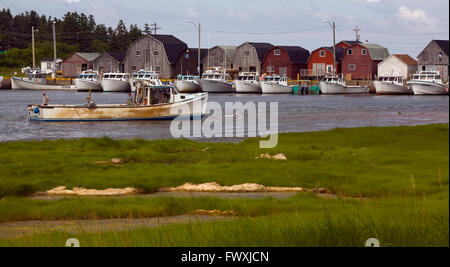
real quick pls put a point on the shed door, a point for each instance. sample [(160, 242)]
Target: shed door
[(318, 68)]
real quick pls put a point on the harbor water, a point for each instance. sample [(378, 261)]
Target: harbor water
[(296, 114)]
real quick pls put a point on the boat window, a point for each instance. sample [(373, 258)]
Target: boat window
[(438, 77), (119, 76), (277, 79), (430, 77), (91, 76), (112, 76)]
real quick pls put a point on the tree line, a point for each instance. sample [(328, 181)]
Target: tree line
[(74, 32)]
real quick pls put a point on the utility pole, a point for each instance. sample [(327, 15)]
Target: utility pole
[(357, 30), (199, 45), (54, 51), (334, 48), (333, 27), (32, 47), (155, 27)]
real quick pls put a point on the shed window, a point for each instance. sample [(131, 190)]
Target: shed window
[(363, 52), (133, 68), (322, 53), (158, 69), (349, 52), (440, 56), (155, 53), (138, 53), (351, 66), (270, 69), (277, 52), (246, 53)]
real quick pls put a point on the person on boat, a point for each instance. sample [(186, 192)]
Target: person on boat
[(45, 99), (129, 100)]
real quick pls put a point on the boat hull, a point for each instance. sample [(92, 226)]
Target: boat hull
[(333, 88), (20, 84), (383, 88), (273, 88), (428, 88), (197, 109), (247, 87), (85, 85), (215, 86), (115, 86), (187, 87)]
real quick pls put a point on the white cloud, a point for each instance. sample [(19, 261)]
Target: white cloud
[(416, 18), (72, 1), (372, 1)]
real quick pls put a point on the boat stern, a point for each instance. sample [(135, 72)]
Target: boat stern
[(34, 113)]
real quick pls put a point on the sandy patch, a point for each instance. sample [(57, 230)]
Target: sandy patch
[(249, 187), (78, 191), (280, 156), (214, 213)]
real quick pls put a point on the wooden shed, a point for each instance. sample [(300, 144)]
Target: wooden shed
[(321, 62), (216, 56), (249, 56), (287, 61), (109, 62), (154, 52), (77, 63), (398, 64), (188, 60), (360, 61), (435, 58)]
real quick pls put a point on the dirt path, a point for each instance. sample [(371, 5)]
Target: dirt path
[(17, 229)]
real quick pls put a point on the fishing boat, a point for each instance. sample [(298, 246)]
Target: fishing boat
[(187, 84), (149, 103), (391, 85), (247, 82), (37, 81), (428, 83), (215, 81), (149, 76), (116, 82), (275, 84), (337, 85), (88, 80)]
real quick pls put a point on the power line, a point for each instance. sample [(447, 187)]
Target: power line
[(267, 33)]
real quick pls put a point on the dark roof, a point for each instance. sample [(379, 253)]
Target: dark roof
[(261, 49), (443, 44), (172, 45), (350, 42), (194, 52), (339, 52), (119, 56), (297, 54)]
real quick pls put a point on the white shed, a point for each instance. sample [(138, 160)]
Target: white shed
[(47, 65), (397, 64)]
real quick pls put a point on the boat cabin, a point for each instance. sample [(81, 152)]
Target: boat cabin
[(149, 95), (248, 76), (141, 75), (215, 76), (37, 77), (189, 78), (391, 79), (427, 76), (275, 79), (116, 76)]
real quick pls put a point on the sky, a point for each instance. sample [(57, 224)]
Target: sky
[(403, 26)]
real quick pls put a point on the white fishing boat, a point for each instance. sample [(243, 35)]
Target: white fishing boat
[(149, 103), (88, 80), (428, 83), (187, 84), (116, 82), (276, 85), (215, 82), (149, 76), (37, 81), (337, 85), (391, 85), (247, 82)]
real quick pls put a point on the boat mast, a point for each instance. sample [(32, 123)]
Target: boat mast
[(32, 47)]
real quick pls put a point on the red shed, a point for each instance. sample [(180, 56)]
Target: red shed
[(78, 62), (347, 44), (360, 61), (286, 60), (321, 61)]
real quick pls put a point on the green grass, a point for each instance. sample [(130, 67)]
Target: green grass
[(311, 221), (370, 162), (404, 171)]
